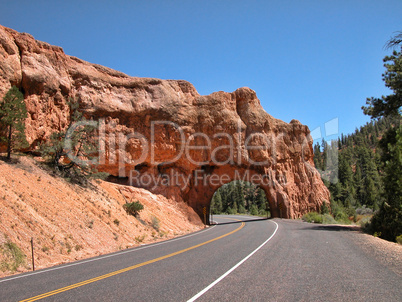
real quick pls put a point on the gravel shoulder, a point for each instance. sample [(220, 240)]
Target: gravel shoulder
[(386, 252)]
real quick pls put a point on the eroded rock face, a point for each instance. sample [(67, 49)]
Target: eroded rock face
[(161, 134)]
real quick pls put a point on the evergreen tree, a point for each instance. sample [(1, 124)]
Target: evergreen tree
[(371, 190), (261, 200), (241, 209), (253, 210), (73, 151), (388, 221), (239, 194), (216, 203), (345, 171), (359, 186), (234, 209), (239, 197), (324, 146), (318, 157), (13, 113), (389, 105)]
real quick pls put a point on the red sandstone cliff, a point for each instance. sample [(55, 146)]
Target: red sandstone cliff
[(150, 129)]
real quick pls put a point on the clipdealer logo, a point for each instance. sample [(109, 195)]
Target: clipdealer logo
[(198, 150)]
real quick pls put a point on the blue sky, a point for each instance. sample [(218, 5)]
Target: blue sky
[(309, 60)]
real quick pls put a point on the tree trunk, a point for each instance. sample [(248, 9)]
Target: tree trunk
[(10, 132)]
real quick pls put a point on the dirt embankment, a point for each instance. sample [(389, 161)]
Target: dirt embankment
[(68, 222)]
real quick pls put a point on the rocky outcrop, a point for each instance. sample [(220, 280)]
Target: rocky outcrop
[(161, 134)]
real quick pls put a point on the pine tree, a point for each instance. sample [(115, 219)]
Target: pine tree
[(238, 194), (359, 186), (318, 157), (73, 151), (261, 201), (241, 209), (388, 221), (13, 113), (371, 189), (324, 146), (216, 203), (345, 172), (253, 210)]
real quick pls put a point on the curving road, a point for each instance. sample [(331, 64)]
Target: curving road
[(240, 259)]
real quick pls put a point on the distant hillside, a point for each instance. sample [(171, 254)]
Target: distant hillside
[(358, 182)]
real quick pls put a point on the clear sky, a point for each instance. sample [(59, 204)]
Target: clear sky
[(312, 60)]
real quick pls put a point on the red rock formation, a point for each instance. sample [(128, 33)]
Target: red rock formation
[(162, 134)]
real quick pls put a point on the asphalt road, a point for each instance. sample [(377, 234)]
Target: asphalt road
[(247, 260)]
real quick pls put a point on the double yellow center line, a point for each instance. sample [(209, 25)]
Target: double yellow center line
[(72, 286)]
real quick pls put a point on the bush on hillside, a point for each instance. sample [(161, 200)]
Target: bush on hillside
[(133, 208), (13, 257)]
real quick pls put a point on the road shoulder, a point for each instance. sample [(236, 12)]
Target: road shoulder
[(386, 252)]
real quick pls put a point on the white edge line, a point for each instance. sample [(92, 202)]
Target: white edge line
[(113, 254), (233, 268)]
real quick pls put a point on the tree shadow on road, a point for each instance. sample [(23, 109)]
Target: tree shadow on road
[(238, 221), (333, 227)]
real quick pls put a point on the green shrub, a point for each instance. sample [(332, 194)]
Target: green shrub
[(364, 211), (90, 224), (367, 228), (133, 208), (365, 223), (313, 217), (342, 217), (377, 234), (140, 239), (78, 247), (155, 223), (340, 213), (387, 222), (13, 257), (399, 239), (328, 219)]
